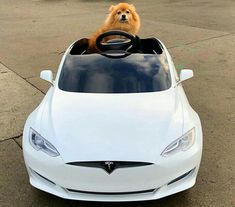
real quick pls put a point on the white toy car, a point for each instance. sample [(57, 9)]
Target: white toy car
[(115, 125)]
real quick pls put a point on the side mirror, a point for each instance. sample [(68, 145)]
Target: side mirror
[(47, 76), (185, 74)]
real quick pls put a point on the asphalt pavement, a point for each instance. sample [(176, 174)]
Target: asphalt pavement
[(199, 34)]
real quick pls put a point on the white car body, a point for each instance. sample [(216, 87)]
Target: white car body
[(134, 127)]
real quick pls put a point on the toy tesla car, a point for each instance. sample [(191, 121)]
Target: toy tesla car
[(115, 125)]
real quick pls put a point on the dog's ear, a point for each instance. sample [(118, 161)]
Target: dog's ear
[(132, 7), (111, 8)]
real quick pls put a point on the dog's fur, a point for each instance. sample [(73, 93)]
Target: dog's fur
[(123, 17)]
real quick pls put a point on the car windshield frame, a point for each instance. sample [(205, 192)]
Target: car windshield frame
[(133, 73)]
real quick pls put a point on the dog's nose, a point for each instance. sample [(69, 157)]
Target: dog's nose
[(123, 16)]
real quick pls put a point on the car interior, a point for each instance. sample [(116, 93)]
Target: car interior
[(129, 44)]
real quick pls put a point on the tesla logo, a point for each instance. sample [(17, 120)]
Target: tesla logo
[(109, 166)]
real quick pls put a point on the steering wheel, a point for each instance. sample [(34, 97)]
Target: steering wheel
[(116, 44)]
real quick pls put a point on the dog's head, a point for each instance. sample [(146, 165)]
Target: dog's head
[(123, 13)]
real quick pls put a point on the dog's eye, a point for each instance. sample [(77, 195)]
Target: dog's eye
[(119, 12), (127, 12)]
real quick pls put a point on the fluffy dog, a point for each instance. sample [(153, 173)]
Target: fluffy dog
[(122, 16)]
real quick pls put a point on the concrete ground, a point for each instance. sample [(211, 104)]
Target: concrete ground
[(199, 34)]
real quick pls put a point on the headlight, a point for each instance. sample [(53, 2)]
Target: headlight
[(39, 143), (181, 144)]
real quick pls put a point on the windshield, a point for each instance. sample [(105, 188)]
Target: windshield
[(100, 74)]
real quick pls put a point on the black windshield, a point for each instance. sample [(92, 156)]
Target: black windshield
[(99, 74)]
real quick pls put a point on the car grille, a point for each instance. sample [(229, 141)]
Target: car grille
[(99, 164), (112, 193), (110, 166)]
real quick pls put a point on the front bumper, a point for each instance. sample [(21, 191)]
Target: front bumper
[(167, 176)]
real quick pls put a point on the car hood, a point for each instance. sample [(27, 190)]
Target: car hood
[(98, 127)]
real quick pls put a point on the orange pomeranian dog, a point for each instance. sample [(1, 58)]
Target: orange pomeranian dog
[(122, 16)]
